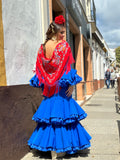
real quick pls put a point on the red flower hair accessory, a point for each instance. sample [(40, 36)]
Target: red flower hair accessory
[(59, 19)]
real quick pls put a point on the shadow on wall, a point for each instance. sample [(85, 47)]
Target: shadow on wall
[(17, 106), (118, 122)]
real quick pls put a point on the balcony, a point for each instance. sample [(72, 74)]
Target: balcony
[(93, 12), (75, 10), (92, 15)]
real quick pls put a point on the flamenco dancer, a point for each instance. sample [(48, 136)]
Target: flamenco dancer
[(58, 128)]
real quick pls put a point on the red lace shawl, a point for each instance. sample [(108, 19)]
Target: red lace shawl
[(49, 71)]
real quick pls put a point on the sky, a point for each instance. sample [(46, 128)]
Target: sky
[(108, 21)]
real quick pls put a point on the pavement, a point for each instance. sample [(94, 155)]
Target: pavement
[(102, 123)]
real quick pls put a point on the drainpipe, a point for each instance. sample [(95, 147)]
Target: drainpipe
[(48, 14), (67, 25)]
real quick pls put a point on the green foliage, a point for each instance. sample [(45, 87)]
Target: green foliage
[(117, 51)]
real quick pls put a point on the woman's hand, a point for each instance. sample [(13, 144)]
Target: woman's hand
[(69, 91)]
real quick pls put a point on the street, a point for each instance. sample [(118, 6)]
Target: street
[(102, 123)]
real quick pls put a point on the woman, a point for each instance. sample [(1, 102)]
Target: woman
[(113, 77), (58, 116)]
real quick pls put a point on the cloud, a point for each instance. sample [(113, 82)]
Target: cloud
[(108, 13)]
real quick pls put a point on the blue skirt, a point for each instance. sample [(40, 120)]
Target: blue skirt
[(58, 127)]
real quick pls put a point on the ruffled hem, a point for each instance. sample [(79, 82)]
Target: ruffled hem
[(69, 150), (58, 121), (70, 138), (72, 78), (58, 110)]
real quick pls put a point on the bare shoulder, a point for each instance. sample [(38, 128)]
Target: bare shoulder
[(50, 44)]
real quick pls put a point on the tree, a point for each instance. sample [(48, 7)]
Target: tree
[(117, 51)]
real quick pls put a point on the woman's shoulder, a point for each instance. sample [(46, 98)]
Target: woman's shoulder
[(51, 42), (65, 44)]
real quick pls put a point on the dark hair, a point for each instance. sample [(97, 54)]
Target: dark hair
[(53, 29)]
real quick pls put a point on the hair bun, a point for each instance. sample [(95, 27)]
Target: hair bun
[(59, 19)]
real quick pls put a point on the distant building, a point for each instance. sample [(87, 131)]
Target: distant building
[(99, 63)]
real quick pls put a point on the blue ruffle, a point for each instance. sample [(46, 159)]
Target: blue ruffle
[(70, 138), (71, 78), (59, 110), (34, 81)]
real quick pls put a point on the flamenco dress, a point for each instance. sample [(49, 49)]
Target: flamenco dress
[(58, 127)]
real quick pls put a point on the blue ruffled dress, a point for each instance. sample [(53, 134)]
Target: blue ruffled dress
[(58, 127)]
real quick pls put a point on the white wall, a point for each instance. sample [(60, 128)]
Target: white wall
[(22, 38), (102, 65), (99, 61)]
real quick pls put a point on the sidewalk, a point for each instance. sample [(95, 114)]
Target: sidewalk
[(103, 124)]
